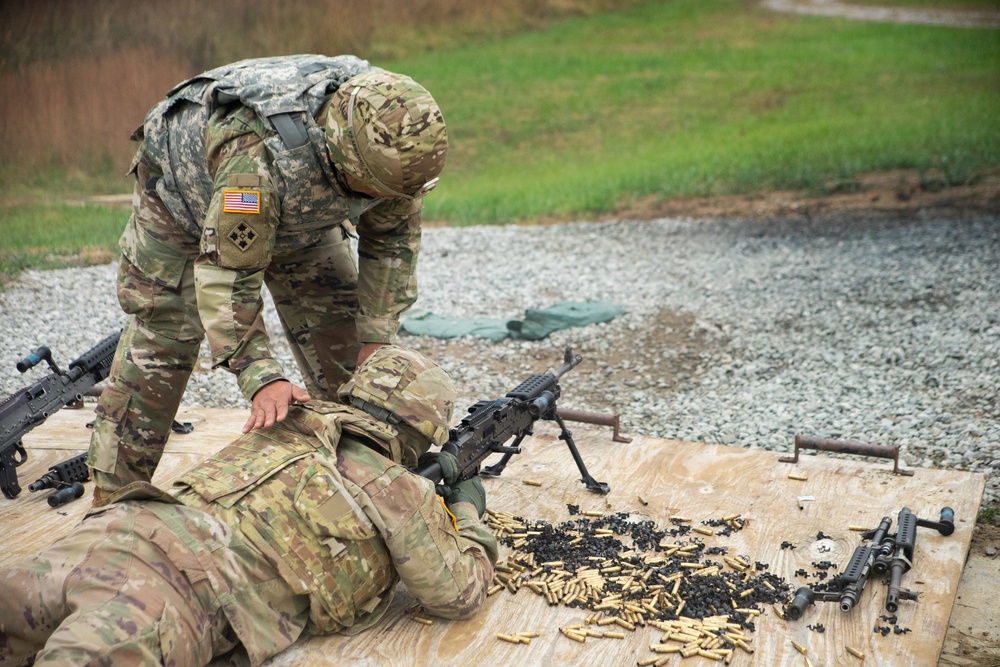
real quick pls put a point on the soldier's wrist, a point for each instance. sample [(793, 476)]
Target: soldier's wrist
[(377, 329), (256, 375)]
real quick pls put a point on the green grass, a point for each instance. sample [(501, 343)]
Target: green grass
[(52, 236), (687, 97), (704, 97)]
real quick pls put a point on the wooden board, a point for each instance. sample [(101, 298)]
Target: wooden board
[(697, 480)]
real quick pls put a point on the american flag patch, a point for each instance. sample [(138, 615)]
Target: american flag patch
[(241, 201)]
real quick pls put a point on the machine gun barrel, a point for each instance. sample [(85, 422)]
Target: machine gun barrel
[(904, 543), (490, 424), (64, 476), (858, 569)]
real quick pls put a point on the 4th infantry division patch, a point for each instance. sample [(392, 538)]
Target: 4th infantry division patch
[(243, 236), (241, 201)]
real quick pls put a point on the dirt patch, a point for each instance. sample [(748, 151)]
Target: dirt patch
[(675, 347), (889, 194), (973, 638), (892, 194)]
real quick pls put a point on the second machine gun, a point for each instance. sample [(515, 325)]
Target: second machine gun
[(490, 424), (881, 552), (30, 406)]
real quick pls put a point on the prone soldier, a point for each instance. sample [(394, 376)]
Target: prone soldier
[(303, 528)]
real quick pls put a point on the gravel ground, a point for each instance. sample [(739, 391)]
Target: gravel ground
[(738, 332)]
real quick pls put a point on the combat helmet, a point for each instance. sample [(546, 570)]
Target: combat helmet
[(385, 130), (407, 390)]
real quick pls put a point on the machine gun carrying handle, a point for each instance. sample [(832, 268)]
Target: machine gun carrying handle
[(945, 525), (804, 597), (63, 496), (38, 356)]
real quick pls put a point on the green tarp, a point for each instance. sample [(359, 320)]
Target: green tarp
[(536, 325)]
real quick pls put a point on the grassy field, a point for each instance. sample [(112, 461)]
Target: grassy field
[(687, 97), (706, 98), (58, 235)]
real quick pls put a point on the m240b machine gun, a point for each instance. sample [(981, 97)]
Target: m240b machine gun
[(490, 424), (30, 406), (881, 553)]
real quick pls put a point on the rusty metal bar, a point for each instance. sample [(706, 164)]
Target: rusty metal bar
[(847, 447), (598, 418)]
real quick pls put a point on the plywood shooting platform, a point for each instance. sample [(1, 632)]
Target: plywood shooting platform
[(673, 478)]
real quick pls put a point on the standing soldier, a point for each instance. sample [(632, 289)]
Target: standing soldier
[(300, 529), (248, 175)]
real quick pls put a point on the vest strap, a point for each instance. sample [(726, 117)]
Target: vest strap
[(290, 128), (375, 411)]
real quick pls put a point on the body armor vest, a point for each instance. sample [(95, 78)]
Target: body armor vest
[(284, 491), (286, 93)]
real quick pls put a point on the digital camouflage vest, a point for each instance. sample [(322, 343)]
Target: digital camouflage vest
[(283, 489), (286, 93)]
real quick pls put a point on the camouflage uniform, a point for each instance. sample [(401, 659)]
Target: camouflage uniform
[(303, 528), (242, 180)]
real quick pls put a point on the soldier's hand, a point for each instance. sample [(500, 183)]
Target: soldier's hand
[(468, 491), (366, 351), (270, 404), (448, 463)]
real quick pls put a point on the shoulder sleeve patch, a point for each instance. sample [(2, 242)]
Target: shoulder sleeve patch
[(241, 201), (242, 244), (245, 230)]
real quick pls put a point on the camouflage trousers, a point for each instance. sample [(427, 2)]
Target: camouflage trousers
[(314, 290), (119, 590)]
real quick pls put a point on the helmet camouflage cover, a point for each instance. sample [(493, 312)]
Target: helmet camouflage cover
[(386, 130), (416, 392)]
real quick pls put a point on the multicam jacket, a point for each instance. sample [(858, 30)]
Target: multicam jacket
[(238, 159), (342, 522)]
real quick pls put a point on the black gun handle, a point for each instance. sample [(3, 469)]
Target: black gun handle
[(945, 525), (10, 459), (947, 520), (38, 356), (63, 496)]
